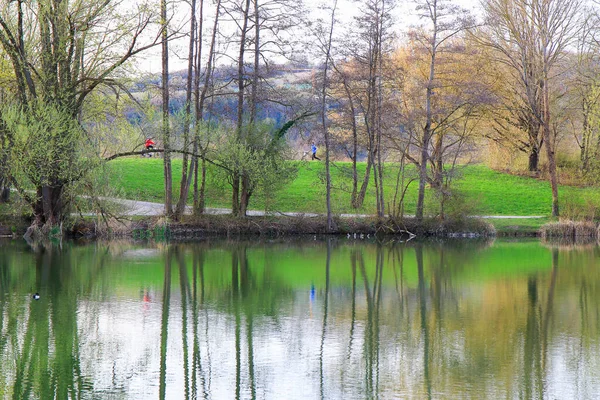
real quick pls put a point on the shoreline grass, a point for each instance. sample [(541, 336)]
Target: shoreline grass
[(477, 190)]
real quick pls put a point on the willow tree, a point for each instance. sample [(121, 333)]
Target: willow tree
[(60, 52), (531, 38)]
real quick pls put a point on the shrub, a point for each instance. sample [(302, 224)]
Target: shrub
[(569, 229)]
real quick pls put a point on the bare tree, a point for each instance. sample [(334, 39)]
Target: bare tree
[(330, 222), (166, 134), (531, 37), (187, 122), (361, 77), (445, 20), (260, 27), (200, 99), (584, 92)]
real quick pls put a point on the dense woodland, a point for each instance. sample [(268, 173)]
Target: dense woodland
[(512, 83)]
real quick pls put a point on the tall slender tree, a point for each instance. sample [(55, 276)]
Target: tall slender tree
[(363, 79), (200, 99), (444, 21), (324, 122), (187, 120), (166, 132)]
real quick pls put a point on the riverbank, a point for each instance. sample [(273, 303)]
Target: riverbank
[(140, 219), (195, 227)]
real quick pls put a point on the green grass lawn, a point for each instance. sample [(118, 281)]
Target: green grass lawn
[(479, 190)]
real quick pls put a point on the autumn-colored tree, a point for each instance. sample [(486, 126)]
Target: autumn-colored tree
[(456, 107), (435, 85), (531, 38)]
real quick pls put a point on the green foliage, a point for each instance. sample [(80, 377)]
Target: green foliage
[(257, 155), (48, 147), (104, 117), (457, 206)]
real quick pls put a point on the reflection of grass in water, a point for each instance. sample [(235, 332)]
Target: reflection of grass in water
[(298, 267), (295, 266), (570, 244)]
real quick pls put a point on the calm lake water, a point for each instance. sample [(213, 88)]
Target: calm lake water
[(339, 319)]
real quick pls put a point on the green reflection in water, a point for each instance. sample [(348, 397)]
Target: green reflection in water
[(333, 319)]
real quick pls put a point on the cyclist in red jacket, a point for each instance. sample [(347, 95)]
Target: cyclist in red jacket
[(149, 145)]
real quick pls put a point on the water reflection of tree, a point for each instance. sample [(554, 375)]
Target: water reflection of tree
[(504, 341), (164, 326), (373, 295), (535, 344), (198, 284), (412, 324), (47, 363), (243, 304), (191, 302), (485, 337), (324, 324), (424, 326)]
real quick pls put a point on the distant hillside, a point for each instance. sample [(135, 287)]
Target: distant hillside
[(286, 89)]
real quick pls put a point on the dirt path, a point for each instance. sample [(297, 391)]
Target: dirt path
[(146, 208)]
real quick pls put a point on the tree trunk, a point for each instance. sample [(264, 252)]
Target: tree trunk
[(165, 113), (586, 136), (199, 196), (48, 210), (424, 160), (437, 163), (245, 195), (4, 173), (245, 192), (354, 143), (255, 76), (202, 195), (534, 158), (429, 117), (379, 107), (4, 193), (185, 182), (330, 223), (550, 149), (236, 176), (360, 198), (235, 194)]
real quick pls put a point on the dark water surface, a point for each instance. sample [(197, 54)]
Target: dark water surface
[(341, 319)]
